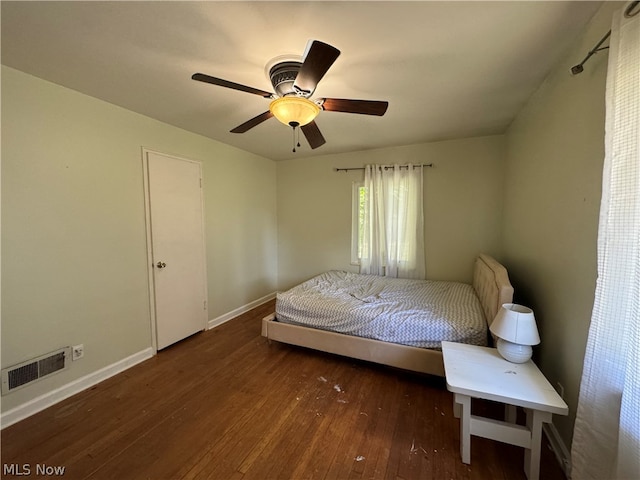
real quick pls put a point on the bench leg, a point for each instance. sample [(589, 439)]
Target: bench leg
[(464, 401), (535, 419)]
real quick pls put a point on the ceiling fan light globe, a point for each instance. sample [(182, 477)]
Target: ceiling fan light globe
[(294, 109)]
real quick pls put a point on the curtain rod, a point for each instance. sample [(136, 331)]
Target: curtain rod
[(576, 69), (386, 167)]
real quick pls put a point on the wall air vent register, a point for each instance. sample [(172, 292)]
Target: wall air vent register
[(27, 372)]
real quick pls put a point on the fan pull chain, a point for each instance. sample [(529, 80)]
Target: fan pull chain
[(296, 138)]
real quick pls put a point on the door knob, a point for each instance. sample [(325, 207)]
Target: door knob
[(161, 264)]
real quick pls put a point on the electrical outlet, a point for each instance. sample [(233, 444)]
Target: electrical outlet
[(77, 352), (560, 389)]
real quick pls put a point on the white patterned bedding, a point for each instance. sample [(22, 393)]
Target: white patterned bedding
[(419, 313)]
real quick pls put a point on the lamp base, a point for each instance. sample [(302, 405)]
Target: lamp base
[(514, 352)]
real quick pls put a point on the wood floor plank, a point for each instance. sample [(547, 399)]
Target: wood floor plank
[(310, 410), (224, 455), (363, 410), (191, 416), (227, 404), (179, 406)]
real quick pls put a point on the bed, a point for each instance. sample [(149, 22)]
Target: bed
[(359, 316)]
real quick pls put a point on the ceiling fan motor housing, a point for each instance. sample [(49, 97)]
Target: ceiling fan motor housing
[(283, 75)]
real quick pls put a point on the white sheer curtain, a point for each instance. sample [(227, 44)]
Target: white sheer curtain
[(606, 439), (393, 227)]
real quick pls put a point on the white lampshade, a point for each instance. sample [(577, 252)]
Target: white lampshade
[(294, 111), (515, 327)]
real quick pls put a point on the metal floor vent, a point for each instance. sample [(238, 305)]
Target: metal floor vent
[(26, 372)]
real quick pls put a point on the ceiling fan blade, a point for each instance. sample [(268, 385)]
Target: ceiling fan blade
[(201, 77), (313, 135), (319, 59), (363, 107), (253, 122)]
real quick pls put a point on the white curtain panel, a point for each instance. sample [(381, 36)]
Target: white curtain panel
[(606, 438), (393, 227)]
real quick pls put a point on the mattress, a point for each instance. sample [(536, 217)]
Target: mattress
[(418, 313)]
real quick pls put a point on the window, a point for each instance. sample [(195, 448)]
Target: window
[(387, 224)]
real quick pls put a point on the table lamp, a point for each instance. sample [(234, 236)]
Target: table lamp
[(515, 327)]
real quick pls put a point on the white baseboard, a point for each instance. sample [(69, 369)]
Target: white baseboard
[(214, 322), (559, 448), (51, 398)]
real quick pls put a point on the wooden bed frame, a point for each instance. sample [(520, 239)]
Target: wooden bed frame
[(491, 284)]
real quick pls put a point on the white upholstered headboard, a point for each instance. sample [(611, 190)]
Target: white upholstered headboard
[(492, 285)]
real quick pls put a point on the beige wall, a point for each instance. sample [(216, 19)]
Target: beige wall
[(555, 153), (73, 226), (462, 209)]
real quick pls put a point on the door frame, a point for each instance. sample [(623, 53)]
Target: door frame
[(149, 235)]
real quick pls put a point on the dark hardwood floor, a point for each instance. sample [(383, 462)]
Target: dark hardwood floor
[(226, 404)]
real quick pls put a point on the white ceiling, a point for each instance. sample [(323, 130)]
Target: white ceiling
[(448, 69)]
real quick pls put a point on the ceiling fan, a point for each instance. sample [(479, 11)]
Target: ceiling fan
[(294, 82)]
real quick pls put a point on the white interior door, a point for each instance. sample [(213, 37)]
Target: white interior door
[(175, 211)]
